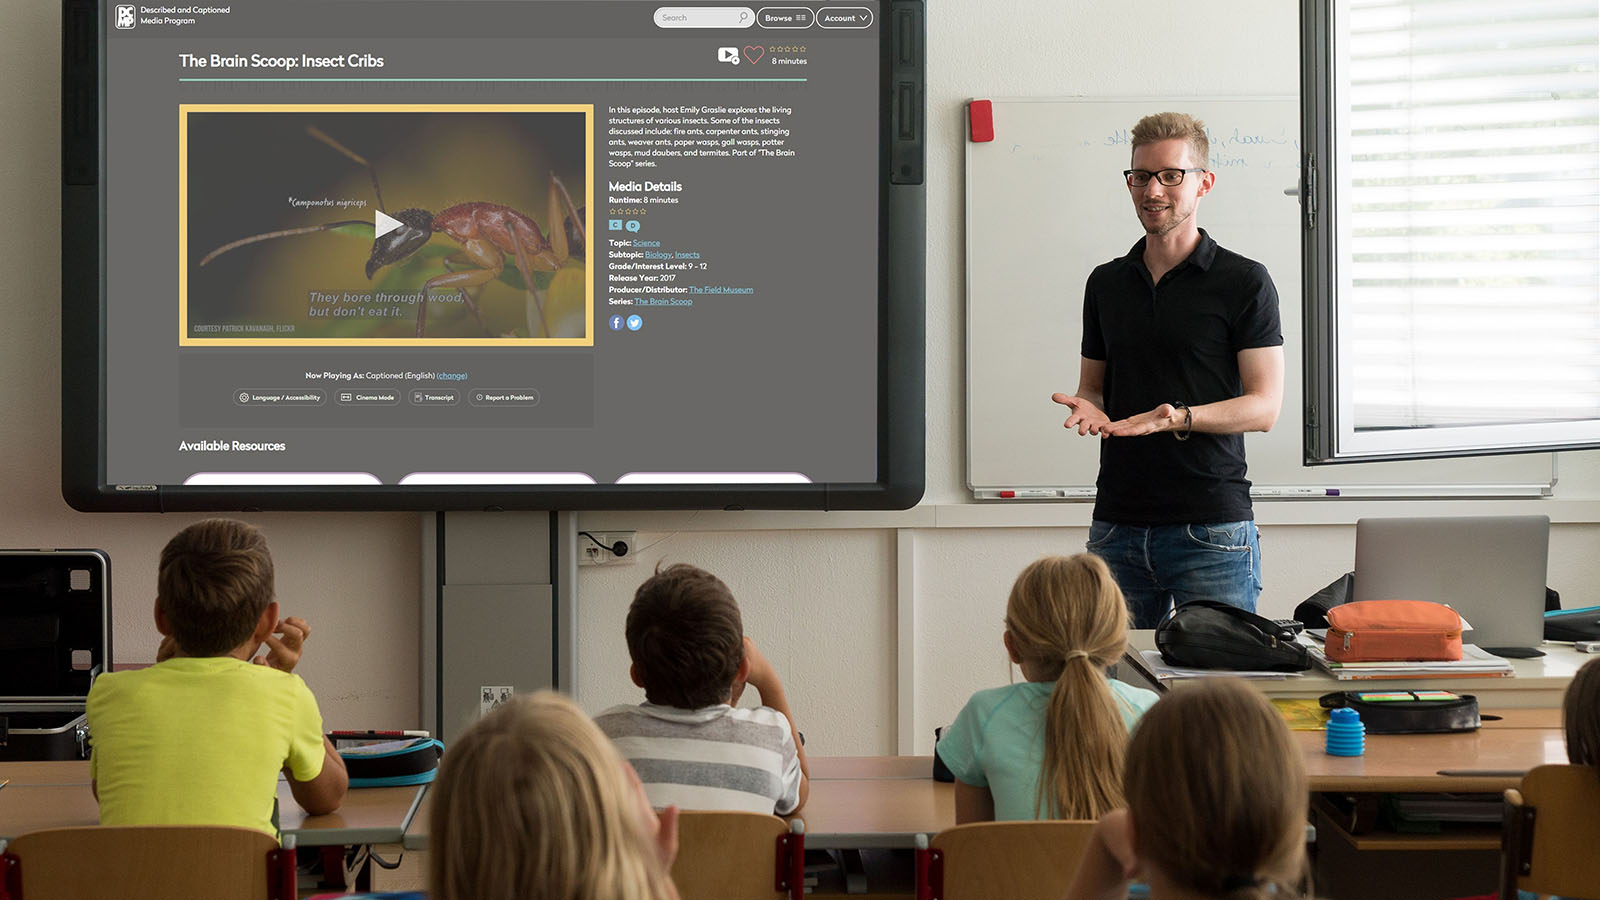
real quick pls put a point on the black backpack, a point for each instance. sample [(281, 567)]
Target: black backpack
[(1206, 634)]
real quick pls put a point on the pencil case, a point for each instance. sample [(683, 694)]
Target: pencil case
[(1383, 630), (391, 763), (1408, 712)]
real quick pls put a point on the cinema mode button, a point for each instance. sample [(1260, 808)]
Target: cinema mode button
[(844, 17), (297, 397), (367, 397), (503, 397), (784, 17), (427, 397)]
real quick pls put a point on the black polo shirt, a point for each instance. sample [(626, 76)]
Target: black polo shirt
[(1177, 341)]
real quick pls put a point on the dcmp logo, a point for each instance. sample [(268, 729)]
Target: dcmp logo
[(125, 16)]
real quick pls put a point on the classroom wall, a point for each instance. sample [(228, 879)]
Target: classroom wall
[(881, 623)]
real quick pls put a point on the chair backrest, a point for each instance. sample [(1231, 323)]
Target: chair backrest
[(1011, 860), (147, 862), (1552, 830), (738, 856)]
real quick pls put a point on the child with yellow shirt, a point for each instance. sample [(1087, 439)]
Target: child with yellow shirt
[(200, 737)]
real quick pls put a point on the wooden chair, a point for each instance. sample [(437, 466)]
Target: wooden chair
[(147, 862), (1010, 860), (739, 856), (1552, 833)]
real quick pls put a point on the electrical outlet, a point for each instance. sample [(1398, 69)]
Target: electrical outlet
[(491, 696), (591, 553)]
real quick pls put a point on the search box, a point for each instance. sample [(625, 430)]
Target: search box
[(705, 17)]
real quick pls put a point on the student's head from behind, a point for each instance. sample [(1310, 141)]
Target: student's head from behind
[(533, 802), (1580, 713), (1216, 792), (212, 586), (1066, 621), (685, 637)]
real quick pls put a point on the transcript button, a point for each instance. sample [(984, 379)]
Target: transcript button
[(503, 397), (422, 397), (844, 17), (784, 17)]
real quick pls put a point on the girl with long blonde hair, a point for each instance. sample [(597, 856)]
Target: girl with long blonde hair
[(533, 803), (1051, 747), (1216, 792)]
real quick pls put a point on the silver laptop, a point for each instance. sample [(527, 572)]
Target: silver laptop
[(1490, 569)]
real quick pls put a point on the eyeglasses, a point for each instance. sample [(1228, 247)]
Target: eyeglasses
[(1168, 177)]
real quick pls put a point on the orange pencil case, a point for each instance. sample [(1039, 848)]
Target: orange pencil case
[(1381, 630)]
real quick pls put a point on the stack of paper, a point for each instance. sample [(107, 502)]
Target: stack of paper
[(1474, 662), (1163, 672)]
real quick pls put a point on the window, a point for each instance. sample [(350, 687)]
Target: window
[(1452, 247)]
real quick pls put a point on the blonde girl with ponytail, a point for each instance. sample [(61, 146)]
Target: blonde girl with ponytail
[(1051, 747), (1216, 793), (533, 803)]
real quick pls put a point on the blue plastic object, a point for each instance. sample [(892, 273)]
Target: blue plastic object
[(1346, 735)]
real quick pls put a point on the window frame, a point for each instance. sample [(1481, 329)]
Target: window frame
[(1330, 435)]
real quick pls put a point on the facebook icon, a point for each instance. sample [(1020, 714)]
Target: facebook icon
[(616, 323)]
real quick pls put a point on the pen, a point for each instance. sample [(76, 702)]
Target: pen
[(1296, 492), (377, 734), (1482, 773), (1029, 495)]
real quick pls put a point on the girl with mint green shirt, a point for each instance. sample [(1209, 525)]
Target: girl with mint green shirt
[(1052, 747)]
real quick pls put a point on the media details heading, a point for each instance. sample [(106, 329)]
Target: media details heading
[(257, 61)]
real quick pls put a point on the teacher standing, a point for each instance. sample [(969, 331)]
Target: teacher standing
[(1182, 354)]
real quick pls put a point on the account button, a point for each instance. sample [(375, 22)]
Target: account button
[(844, 17)]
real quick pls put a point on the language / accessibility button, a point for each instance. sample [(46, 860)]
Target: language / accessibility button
[(269, 397), (785, 17), (504, 397), (844, 17)]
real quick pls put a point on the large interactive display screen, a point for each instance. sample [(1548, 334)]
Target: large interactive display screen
[(457, 254)]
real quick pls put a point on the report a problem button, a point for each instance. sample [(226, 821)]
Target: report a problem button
[(503, 397)]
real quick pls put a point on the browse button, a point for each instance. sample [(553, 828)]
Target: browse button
[(844, 17)]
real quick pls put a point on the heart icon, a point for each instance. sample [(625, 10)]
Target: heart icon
[(754, 54)]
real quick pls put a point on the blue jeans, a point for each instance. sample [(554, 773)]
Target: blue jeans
[(1158, 565)]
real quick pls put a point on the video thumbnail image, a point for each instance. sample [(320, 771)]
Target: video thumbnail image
[(386, 225)]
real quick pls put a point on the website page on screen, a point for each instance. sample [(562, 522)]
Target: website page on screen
[(500, 242)]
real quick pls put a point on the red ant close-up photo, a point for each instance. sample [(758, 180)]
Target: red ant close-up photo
[(487, 245)]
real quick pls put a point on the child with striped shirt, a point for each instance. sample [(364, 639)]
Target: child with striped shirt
[(690, 742)]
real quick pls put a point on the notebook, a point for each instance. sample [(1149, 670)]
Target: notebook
[(1490, 569)]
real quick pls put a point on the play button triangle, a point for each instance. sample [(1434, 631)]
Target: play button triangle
[(384, 223)]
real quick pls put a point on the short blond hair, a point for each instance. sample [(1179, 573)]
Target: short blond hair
[(1168, 126), (533, 803), (1217, 792), (1068, 619)]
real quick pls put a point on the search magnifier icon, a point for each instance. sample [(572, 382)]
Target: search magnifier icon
[(743, 16)]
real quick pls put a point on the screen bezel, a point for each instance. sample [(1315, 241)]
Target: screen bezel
[(901, 319)]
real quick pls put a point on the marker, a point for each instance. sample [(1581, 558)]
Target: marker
[(1029, 495), (363, 735), (1295, 492)]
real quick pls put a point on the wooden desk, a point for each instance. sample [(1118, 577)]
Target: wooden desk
[(877, 813), (1539, 683), (1413, 762), (56, 795), (856, 802)]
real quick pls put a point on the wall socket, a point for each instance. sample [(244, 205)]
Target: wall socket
[(491, 696), (590, 553)]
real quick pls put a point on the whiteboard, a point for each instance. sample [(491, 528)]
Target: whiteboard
[(1046, 203)]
